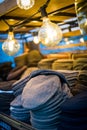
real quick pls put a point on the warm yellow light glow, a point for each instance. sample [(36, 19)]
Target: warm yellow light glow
[(82, 40), (36, 40), (67, 42), (49, 34), (25, 4), (11, 45), (12, 20)]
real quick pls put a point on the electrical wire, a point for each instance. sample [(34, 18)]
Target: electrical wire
[(27, 20), (20, 24)]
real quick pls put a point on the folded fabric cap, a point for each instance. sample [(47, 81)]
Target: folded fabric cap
[(39, 90), (16, 102), (19, 110)]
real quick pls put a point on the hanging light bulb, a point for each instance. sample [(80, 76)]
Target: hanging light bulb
[(11, 45), (50, 33), (35, 37), (25, 4), (36, 40)]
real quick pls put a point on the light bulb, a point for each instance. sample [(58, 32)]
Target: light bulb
[(11, 45), (82, 40), (25, 4), (49, 34), (36, 40)]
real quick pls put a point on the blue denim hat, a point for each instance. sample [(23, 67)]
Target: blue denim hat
[(39, 90), (43, 94), (18, 112)]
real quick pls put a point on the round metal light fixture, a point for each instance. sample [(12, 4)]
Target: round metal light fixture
[(25, 4)]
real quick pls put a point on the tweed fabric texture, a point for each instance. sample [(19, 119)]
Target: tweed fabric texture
[(81, 82), (33, 58), (80, 64), (64, 64), (18, 86), (43, 94), (71, 76), (46, 63)]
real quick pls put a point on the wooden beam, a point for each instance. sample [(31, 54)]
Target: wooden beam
[(73, 33), (7, 6), (65, 14), (65, 46)]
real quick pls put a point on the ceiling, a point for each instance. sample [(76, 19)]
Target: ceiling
[(59, 11)]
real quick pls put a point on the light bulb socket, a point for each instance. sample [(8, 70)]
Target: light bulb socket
[(43, 11), (35, 33), (10, 29)]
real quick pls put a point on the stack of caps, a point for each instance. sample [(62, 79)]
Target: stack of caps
[(71, 76), (64, 64), (82, 78), (74, 113), (46, 63), (44, 97), (5, 99), (82, 82), (80, 64), (79, 55), (18, 112)]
